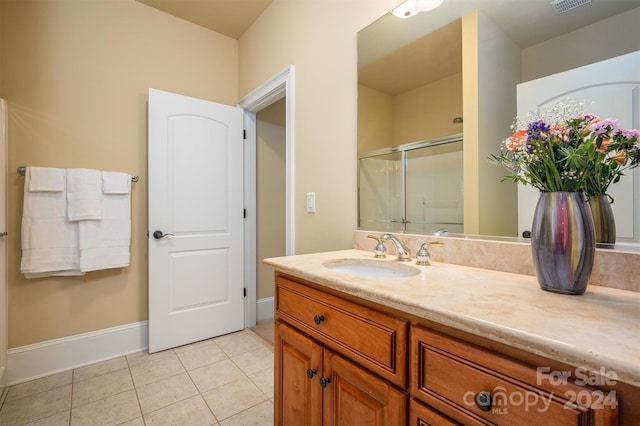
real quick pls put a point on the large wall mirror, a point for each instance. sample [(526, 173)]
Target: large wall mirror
[(437, 94)]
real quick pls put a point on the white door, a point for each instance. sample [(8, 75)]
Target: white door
[(614, 87), (195, 220)]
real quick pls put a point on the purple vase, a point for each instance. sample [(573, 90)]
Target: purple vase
[(563, 242)]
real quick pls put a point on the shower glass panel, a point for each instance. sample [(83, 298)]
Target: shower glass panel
[(434, 193), (381, 192), (415, 187)]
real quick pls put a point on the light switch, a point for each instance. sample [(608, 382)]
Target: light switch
[(311, 202)]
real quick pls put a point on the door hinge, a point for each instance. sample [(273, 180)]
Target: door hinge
[(244, 213), (244, 134), (244, 292)]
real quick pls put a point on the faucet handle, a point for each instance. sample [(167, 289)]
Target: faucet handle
[(380, 250), (423, 255)]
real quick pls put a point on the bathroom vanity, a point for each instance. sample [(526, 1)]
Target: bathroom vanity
[(448, 344)]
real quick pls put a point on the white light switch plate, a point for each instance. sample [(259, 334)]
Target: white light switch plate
[(311, 202)]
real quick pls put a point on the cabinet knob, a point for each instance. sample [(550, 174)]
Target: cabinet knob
[(318, 319), (324, 381), (483, 401), (311, 372)]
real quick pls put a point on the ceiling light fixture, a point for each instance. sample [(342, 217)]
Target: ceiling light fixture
[(412, 7)]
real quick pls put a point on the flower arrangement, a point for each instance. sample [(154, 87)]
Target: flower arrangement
[(568, 150)]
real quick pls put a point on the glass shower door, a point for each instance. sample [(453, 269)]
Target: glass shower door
[(381, 192), (434, 191)]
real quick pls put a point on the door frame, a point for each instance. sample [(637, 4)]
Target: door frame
[(4, 295), (277, 87)]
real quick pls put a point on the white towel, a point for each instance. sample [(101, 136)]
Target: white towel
[(49, 240), (105, 243), (116, 183), (45, 179), (84, 194)]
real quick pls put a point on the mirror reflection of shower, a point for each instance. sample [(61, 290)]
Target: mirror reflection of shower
[(416, 187)]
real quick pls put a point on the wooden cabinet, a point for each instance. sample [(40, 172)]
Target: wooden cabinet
[(331, 359), (339, 362)]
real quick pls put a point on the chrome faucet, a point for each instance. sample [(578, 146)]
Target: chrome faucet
[(403, 252), (380, 249), (423, 255)]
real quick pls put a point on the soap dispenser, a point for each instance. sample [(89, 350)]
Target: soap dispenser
[(380, 250)]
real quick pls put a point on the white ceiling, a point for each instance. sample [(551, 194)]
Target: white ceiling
[(228, 17)]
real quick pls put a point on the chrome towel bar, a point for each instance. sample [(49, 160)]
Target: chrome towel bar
[(23, 169)]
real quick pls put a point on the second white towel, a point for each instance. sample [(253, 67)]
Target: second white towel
[(84, 194), (104, 243)]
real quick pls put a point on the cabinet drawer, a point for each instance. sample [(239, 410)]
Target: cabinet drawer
[(447, 374), (375, 340), (422, 415)]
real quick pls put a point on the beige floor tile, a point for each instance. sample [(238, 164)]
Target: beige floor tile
[(39, 385), (260, 415), (254, 361), (60, 419), (113, 410), (232, 398), (144, 356), (102, 386), (192, 412), (201, 356), (138, 421), (237, 343), (165, 392), (264, 380), (216, 374), (99, 368), (192, 346), (157, 369), (265, 330), (36, 406)]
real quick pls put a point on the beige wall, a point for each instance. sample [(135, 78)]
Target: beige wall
[(375, 119), (427, 112), (75, 75), (270, 193), (489, 93), (606, 39), (319, 39)]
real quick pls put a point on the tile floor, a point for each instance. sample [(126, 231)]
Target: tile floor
[(223, 381)]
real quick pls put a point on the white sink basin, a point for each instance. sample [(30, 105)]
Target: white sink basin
[(371, 268)]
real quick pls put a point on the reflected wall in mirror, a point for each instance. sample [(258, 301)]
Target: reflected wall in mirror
[(464, 59)]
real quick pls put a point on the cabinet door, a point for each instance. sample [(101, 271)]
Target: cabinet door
[(354, 396), (298, 367)]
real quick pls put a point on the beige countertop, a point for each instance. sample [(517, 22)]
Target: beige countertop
[(598, 331)]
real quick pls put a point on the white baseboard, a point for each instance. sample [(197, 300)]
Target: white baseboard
[(265, 308), (53, 356)]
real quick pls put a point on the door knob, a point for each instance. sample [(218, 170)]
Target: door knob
[(158, 235), (318, 319), (3, 234), (311, 372), (324, 381)]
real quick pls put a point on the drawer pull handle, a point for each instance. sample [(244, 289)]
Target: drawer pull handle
[(311, 372), (483, 401), (324, 381), (318, 319)]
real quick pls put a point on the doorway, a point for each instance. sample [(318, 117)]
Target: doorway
[(277, 93)]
